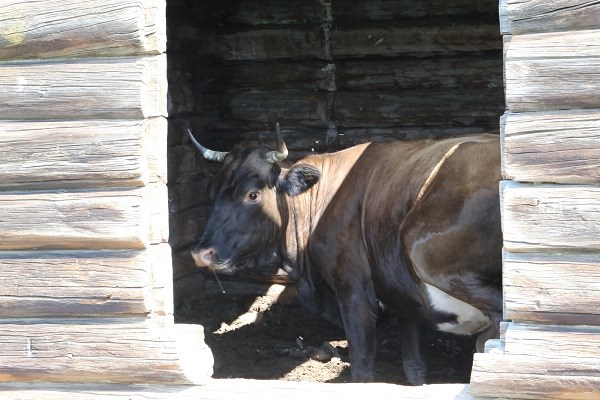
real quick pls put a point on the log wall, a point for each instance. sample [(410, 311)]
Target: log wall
[(550, 206), (85, 265), (333, 74)]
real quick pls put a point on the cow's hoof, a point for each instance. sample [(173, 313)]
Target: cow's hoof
[(490, 333), (415, 372)]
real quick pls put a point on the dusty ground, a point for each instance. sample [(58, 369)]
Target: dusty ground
[(253, 335)]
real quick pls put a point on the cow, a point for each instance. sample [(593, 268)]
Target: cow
[(411, 226)]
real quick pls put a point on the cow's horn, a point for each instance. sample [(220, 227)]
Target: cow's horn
[(281, 153), (207, 153)]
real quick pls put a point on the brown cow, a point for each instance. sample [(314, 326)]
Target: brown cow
[(413, 226)]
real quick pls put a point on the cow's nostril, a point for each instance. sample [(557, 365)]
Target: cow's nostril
[(204, 257)]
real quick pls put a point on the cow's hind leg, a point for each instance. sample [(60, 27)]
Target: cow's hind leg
[(412, 359)]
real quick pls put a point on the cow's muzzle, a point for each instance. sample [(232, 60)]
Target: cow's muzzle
[(204, 257)]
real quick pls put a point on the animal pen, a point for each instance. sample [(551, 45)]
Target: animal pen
[(101, 193)]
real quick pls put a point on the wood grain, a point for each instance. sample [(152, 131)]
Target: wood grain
[(81, 28), (123, 88), (557, 147), (560, 288), (85, 283), (80, 154), (537, 16), (124, 350), (534, 377), (550, 218), (93, 219), (552, 71)]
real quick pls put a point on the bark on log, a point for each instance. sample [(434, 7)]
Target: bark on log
[(81, 28), (558, 147), (125, 88)]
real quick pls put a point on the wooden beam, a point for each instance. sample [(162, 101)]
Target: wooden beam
[(85, 283), (123, 88), (538, 16), (394, 40), (81, 28), (242, 389), (577, 342), (104, 219), (558, 147), (552, 71), (534, 377), (551, 218), (124, 350), (560, 288), (81, 154)]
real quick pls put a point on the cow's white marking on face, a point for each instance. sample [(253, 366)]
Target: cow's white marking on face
[(469, 320)]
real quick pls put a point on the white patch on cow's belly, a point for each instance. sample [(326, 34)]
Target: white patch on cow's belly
[(469, 319)]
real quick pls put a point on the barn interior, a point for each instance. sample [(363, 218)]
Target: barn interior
[(333, 74)]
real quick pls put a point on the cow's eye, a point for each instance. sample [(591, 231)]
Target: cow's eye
[(253, 196)]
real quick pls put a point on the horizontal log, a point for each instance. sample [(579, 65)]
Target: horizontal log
[(555, 288), (377, 10), (243, 389), (534, 377), (418, 108), (85, 283), (104, 351), (296, 42), (558, 147), (537, 16), (393, 41), (124, 88), (74, 28), (552, 71), (576, 342), (268, 12), (110, 219), (473, 72), (79, 154), (550, 217)]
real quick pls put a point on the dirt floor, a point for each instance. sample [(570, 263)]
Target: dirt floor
[(260, 332)]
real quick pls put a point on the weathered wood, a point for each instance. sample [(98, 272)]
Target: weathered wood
[(560, 147), (85, 283), (377, 10), (81, 28), (557, 288), (537, 16), (550, 341), (79, 154), (553, 71), (461, 72), (112, 219), (419, 107), (393, 40), (124, 350), (534, 377), (298, 42), (550, 217), (127, 88), (242, 389)]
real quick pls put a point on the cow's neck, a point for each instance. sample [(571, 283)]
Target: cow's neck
[(305, 210)]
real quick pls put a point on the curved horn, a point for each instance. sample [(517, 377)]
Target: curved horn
[(281, 153), (207, 153)]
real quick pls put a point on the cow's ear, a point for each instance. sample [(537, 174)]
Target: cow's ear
[(298, 179)]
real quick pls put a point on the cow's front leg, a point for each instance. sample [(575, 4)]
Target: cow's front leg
[(359, 318), (415, 368)]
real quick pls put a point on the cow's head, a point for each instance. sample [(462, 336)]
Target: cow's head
[(249, 212)]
